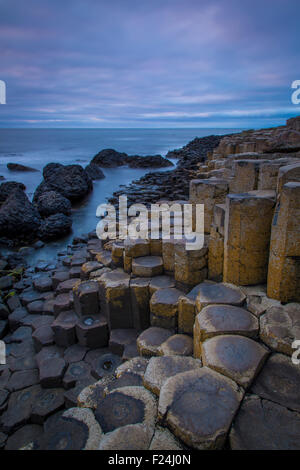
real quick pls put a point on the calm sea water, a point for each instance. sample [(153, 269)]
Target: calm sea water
[(37, 147)]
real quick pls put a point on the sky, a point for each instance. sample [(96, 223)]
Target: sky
[(149, 63)]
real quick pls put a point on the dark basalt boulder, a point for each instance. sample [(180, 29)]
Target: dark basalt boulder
[(19, 167), (54, 227), (150, 161), (19, 219), (94, 172), (8, 188), (71, 181), (52, 202), (109, 158)]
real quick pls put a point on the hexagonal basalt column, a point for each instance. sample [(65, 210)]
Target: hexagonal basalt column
[(160, 369), (92, 331), (216, 244), (247, 237), (147, 266), (237, 357), (140, 297), (150, 340), (198, 406), (208, 192), (190, 265), (211, 293), (284, 261), (215, 320), (115, 299), (164, 308), (86, 298)]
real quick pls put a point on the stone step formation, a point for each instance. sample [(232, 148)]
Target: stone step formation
[(143, 344)]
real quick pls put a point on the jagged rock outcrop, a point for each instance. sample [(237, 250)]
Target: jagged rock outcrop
[(19, 220), (71, 181)]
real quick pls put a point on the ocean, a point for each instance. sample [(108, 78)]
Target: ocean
[(37, 147)]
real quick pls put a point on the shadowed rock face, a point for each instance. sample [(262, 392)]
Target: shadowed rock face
[(18, 217), (55, 226), (265, 416), (8, 187), (69, 434)]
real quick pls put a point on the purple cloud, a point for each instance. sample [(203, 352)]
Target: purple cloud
[(181, 63)]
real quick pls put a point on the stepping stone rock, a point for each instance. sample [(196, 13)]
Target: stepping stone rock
[(66, 286), (221, 293), (198, 406), (43, 284), (21, 334), (137, 366), (127, 405), (177, 345), (52, 372), (161, 282), (30, 296), (59, 277), (49, 352), (164, 308), (75, 372), (62, 303), (19, 409), (264, 425), (88, 268), (23, 363), (48, 308), (22, 379), (280, 327), (36, 308), (92, 331), (42, 337), (161, 368), (130, 437), (147, 266), (163, 439), (136, 248), (47, 402), (75, 353), (150, 340), (64, 329), (75, 272), (216, 320), (120, 338), (15, 318), (25, 438), (279, 382), (237, 357), (105, 365), (76, 429), (41, 320), (86, 298)]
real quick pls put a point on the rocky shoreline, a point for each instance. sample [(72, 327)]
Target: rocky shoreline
[(143, 344)]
